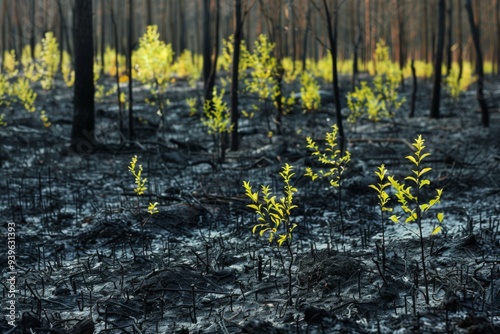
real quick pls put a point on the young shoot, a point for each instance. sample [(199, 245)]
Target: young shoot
[(409, 197), (217, 119), (335, 164), (274, 215), (140, 186), (383, 199)]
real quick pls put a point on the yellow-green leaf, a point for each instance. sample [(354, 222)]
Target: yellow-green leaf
[(436, 230)]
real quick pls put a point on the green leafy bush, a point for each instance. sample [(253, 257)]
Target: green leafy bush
[(309, 92)]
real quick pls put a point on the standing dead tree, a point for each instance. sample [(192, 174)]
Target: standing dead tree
[(238, 35), (436, 90), (332, 38), (82, 132), (485, 115)]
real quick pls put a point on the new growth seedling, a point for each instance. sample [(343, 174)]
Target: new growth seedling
[(383, 199), (410, 201), (335, 163), (217, 119), (273, 215), (140, 185)]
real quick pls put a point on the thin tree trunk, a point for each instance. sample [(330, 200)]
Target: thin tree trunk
[(306, 35), (497, 37), (402, 34), (459, 42), (61, 30), (103, 34), (117, 77), (485, 116), (82, 133), (33, 26), (131, 134), (149, 13), (357, 38), (332, 36), (215, 51), (235, 139), (182, 27), (19, 42), (207, 61), (368, 36), (449, 41), (396, 52), (426, 31), (436, 91), (414, 90)]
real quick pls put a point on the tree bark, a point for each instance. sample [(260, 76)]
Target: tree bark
[(436, 91), (207, 61), (210, 84), (449, 41), (131, 134), (332, 36), (82, 133), (235, 139), (33, 26), (414, 90), (485, 115), (497, 38), (103, 34), (149, 13), (459, 41), (426, 32), (368, 37)]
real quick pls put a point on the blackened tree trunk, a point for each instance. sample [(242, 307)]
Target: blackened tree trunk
[(497, 39), (436, 90), (459, 42), (414, 90), (210, 84), (131, 134), (82, 133), (149, 13), (449, 42), (332, 36), (235, 139), (207, 61), (103, 34), (33, 26), (485, 115)]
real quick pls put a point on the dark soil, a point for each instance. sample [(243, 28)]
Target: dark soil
[(91, 259)]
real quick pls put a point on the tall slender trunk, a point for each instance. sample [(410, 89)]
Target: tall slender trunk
[(131, 134), (215, 51), (459, 41), (396, 51), (182, 27), (368, 36), (426, 32), (332, 36), (449, 42), (235, 139), (103, 33), (33, 27), (149, 13), (82, 132), (497, 37), (485, 116), (436, 91), (207, 61)]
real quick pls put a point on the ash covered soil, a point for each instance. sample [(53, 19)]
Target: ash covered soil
[(91, 259)]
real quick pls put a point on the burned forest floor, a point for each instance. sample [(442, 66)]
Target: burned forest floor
[(89, 258)]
